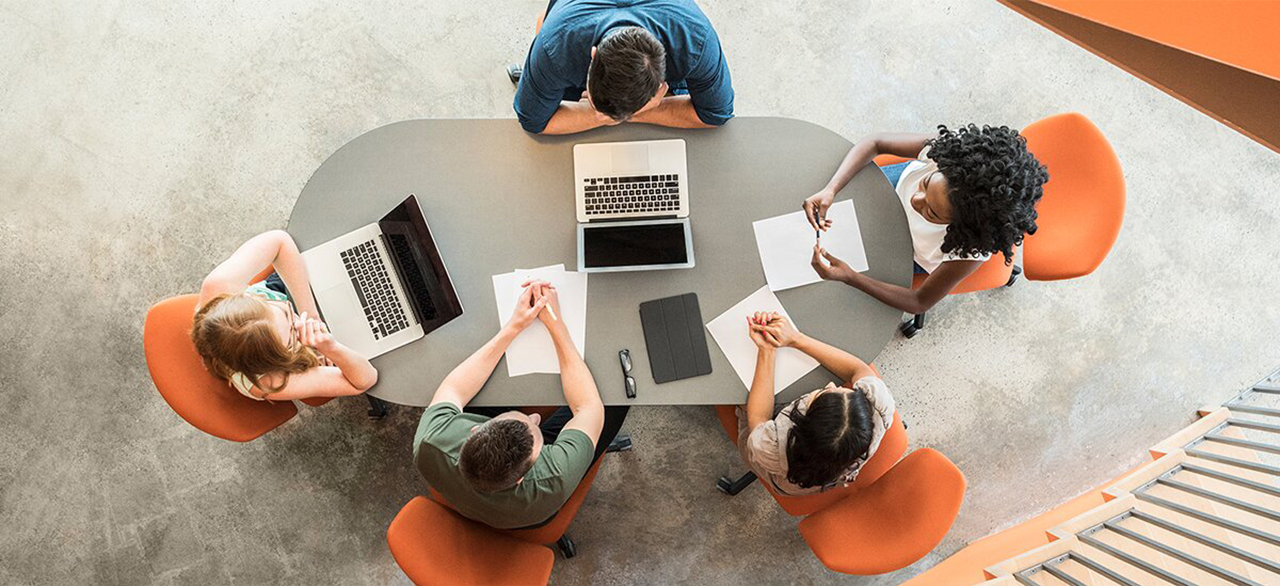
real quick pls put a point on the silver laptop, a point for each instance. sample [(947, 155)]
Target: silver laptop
[(383, 285), (631, 180), (632, 202)]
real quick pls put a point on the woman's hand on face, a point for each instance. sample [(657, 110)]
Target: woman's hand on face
[(818, 203), (314, 333), (528, 306)]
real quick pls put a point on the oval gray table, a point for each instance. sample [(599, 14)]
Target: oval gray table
[(498, 198)]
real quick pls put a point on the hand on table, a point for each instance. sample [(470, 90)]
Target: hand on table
[(550, 297), (780, 332), (756, 324), (829, 267), (819, 202), (528, 306)]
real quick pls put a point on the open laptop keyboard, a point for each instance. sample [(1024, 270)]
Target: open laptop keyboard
[(620, 195), (373, 285)]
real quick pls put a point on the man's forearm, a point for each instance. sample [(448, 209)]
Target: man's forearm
[(573, 117), (469, 377), (579, 386), (674, 112)]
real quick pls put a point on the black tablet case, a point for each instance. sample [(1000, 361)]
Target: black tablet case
[(675, 339)]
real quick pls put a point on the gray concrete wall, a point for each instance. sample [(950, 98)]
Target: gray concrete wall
[(141, 141)]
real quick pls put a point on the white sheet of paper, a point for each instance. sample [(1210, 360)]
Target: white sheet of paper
[(532, 351), (786, 245), (730, 332)]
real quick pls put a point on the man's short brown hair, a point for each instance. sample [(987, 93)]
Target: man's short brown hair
[(497, 455), (629, 67)]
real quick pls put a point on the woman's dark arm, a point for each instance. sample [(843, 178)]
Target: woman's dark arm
[(940, 282)]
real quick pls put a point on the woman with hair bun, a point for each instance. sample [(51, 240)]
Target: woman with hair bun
[(970, 193), (821, 440), (250, 335)]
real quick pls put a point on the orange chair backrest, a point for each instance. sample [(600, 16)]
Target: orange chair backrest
[(1082, 210), (892, 523), (552, 531), (195, 395), (434, 545)]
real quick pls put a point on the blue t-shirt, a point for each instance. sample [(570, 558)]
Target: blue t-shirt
[(556, 68)]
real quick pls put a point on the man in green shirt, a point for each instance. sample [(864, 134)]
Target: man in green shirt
[(505, 471)]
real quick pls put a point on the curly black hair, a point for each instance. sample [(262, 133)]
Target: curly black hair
[(994, 183)]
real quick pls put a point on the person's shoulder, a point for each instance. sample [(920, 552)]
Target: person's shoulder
[(872, 385), (877, 393), (436, 420), (569, 455)]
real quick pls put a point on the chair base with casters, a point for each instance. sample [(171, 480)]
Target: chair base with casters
[(732, 487)]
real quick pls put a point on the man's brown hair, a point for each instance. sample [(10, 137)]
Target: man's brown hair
[(497, 455), (629, 67)]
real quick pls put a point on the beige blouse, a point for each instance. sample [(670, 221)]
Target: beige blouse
[(765, 448)]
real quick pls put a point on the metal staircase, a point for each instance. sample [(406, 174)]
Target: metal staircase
[(1205, 511)]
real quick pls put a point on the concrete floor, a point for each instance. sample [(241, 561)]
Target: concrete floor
[(142, 141)]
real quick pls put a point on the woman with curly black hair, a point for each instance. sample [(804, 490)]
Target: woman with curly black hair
[(970, 193)]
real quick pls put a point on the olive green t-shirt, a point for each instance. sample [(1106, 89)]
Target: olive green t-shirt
[(554, 475)]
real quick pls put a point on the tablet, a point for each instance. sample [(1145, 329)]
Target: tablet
[(646, 245)]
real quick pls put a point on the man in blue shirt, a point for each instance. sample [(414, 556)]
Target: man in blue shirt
[(603, 62)]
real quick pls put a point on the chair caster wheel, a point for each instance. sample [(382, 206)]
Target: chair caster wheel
[(567, 547), (723, 484), (909, 329), (1013, 277)]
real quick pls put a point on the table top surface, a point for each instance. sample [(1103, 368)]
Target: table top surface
[(498, 198)]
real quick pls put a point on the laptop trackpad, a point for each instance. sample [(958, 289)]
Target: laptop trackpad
[(630, 159)]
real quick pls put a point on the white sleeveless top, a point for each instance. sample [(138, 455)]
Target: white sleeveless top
[(926, 236)]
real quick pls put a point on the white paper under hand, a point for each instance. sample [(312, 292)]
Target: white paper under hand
[(533, 351), (730, 332), (786, 245)]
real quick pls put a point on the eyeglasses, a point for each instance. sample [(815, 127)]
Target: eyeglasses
[(628, 382), (292, 344)]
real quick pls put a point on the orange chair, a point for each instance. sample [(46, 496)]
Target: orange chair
[(892, 446), (555, 530), (1083, 205), (991, 275), (434, 545), (892, 523), (195, 395)]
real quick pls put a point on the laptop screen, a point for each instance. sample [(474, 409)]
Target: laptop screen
[(634, 245)]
